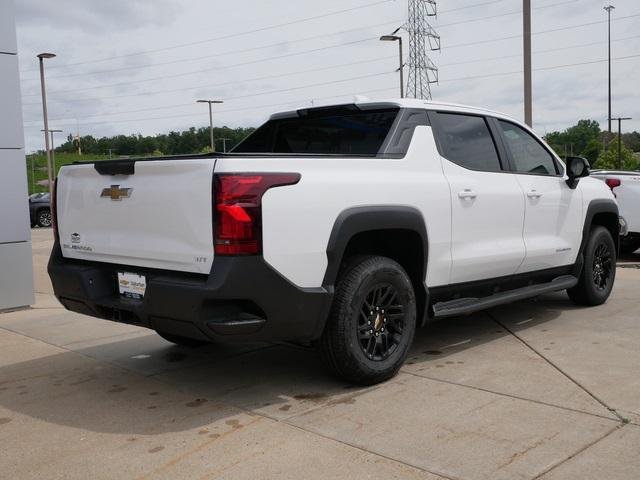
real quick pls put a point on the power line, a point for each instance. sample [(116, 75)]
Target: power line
[(507, 14), (233, 82), (540, 32), (221, 111), (224, 37), (204, 70), (473, 77), (519, 55), (226, 53), (250, 95)]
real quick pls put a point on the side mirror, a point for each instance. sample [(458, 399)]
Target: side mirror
[(577, 167)]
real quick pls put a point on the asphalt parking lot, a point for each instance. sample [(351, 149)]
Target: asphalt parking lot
[(538, 389)]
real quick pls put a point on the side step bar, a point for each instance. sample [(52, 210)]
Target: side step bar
[(462, 306)]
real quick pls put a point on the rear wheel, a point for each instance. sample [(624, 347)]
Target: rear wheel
[(372, 321), (599, 272), (182, 341), (44, 218)]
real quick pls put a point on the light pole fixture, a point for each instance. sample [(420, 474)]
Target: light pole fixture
[(41, 58), (53, 152), (211, 102), (397, 38), (608, 8)]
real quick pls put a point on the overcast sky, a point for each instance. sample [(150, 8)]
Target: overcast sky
[(137, 66)]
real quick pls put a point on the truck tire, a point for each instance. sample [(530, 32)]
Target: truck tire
[(43, 218), (372, 321), (182, 341), (599, 272)]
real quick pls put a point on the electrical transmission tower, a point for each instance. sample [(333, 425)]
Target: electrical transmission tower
[(422, 36)]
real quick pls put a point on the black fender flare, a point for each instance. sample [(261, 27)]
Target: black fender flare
[(597, 206), (353, 221)]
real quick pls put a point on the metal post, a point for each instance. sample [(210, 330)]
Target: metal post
[(608, 9), (41, 58), (528, 107), (213, 143), (401, 68), (619, 166)]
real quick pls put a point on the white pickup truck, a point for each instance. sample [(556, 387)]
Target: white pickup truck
[(345, 226), (625, 186)]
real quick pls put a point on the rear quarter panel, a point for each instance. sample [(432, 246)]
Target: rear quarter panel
[(298, 219)]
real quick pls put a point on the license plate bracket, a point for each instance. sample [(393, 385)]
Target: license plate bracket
[(132, 285)]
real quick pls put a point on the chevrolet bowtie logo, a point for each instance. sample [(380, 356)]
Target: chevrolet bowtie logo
[(116, 193)]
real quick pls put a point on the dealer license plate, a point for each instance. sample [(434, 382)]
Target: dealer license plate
[(132, 285)]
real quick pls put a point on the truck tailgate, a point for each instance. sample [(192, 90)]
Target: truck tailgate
[(159, 217)]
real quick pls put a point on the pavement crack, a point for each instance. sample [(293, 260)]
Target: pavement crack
[(578, 452), (622, 419)]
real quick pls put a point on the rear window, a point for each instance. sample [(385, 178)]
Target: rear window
[(343, 131)]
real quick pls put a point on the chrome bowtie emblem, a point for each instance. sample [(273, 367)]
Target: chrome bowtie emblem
[(116, 193)]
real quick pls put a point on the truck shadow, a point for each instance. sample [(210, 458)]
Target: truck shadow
[(145, 386)]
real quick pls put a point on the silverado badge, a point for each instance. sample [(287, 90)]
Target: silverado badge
[(116, 193)]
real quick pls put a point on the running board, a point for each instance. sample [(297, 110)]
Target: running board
[(462, 306)]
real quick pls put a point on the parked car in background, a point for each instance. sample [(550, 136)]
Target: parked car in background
[(40, 209), (625, 186)]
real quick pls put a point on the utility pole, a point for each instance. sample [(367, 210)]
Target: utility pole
[(608, 8), (211, 102), (422, 71), (528, 107), (619, 159), (41, 58)]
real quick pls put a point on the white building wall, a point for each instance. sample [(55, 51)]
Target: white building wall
[(16, 273)]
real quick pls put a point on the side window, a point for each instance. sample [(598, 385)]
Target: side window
[(467, 141), (528, 155)]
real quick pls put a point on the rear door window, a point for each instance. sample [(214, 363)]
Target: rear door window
[(467, 141), (337, 131)]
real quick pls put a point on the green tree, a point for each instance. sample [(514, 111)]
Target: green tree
[(575, 138), (592, 151), (609, 159)]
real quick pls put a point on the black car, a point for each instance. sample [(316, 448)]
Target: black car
[(40, 209)]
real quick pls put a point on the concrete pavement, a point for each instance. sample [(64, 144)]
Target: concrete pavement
[(538, 389)]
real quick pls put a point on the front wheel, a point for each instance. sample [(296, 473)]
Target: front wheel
[(599, 271), (372, 321)]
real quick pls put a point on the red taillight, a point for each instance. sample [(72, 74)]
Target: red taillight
[(613, 183), (54, 209), (238, 210)]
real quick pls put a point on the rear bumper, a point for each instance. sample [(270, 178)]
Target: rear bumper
[(242, 300)]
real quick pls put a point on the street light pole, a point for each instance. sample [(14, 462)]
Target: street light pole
[(211, 102), (619, 119), (41, 58), (528, 100), (608, 8), (396, 38)]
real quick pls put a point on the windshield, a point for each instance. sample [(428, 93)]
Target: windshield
[(336, 131)]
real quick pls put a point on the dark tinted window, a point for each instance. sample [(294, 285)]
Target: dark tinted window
[(528, 155), (467, 141), (338, 131)]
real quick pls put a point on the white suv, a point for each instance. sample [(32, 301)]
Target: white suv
[(345, 226)]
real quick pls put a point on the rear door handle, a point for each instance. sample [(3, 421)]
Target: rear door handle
[(467, 193), (533, 193)]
